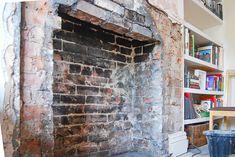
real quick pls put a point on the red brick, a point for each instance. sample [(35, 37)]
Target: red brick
[(30, 146), (57, 57), (33, 112)]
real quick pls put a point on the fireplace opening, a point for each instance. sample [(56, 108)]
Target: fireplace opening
[(104, 102)]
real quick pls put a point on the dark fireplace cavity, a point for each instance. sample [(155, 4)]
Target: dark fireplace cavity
[(103, 99)]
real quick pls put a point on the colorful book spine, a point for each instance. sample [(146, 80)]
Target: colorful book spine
[(186, 42), (206, 53), (192, 45), (221, 57), (215, 82), (210, 83)]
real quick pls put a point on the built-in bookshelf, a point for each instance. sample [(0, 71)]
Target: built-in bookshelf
[(206, 59), (199, 120), (193, 62), (203, 92), (205, 17)]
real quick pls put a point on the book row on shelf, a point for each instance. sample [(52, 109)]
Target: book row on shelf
[(199, 79), (214, 6), (199, 107), (210, 53)]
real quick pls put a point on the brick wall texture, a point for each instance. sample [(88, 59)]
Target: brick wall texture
[(95, 75), (97, 78)]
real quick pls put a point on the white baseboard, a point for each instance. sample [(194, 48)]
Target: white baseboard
[(178, 143)]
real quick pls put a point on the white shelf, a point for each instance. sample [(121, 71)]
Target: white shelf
[(203, 92), (199, 15), (196, 63), (199, 120), (200, 37)]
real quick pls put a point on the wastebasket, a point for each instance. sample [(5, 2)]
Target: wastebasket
[(221, 143)]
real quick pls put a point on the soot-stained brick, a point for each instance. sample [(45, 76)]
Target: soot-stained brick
[(56, 98), (137, 43), (57, 44), (98, 67), (138, 50), (123, 42), (97, 138), (72, 99), (75, 48), (97, 118), (68, 141), (103, 73), (141, 58), (75, 79), (66, 25), (96, 81), (105, 36), (65, 110), (95, 100), (60, 120), (86, 71), (81, 119), (110, 47), (125, 51), (148, 49), (63, 88), (74, 68), (120, 58), (86, 90)]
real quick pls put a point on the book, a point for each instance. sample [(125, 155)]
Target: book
[(194, 82), (220, 57), (210, 83), (219, 102), (206, 53), (186, 41), (189, 111), (215, 82), (217, 56), (192, 45), (202, 77)]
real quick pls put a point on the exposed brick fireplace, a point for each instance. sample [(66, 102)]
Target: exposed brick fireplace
[(96, 78), (101, 102)]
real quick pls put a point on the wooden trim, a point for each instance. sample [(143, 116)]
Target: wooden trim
[(229, 74), (225, 114)]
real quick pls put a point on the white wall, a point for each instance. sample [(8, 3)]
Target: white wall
[(172, 8), (226, 34)]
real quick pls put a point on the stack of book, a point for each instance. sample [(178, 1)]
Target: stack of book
[(212, 53), (202, 78), (194, 82), (214, 82)]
